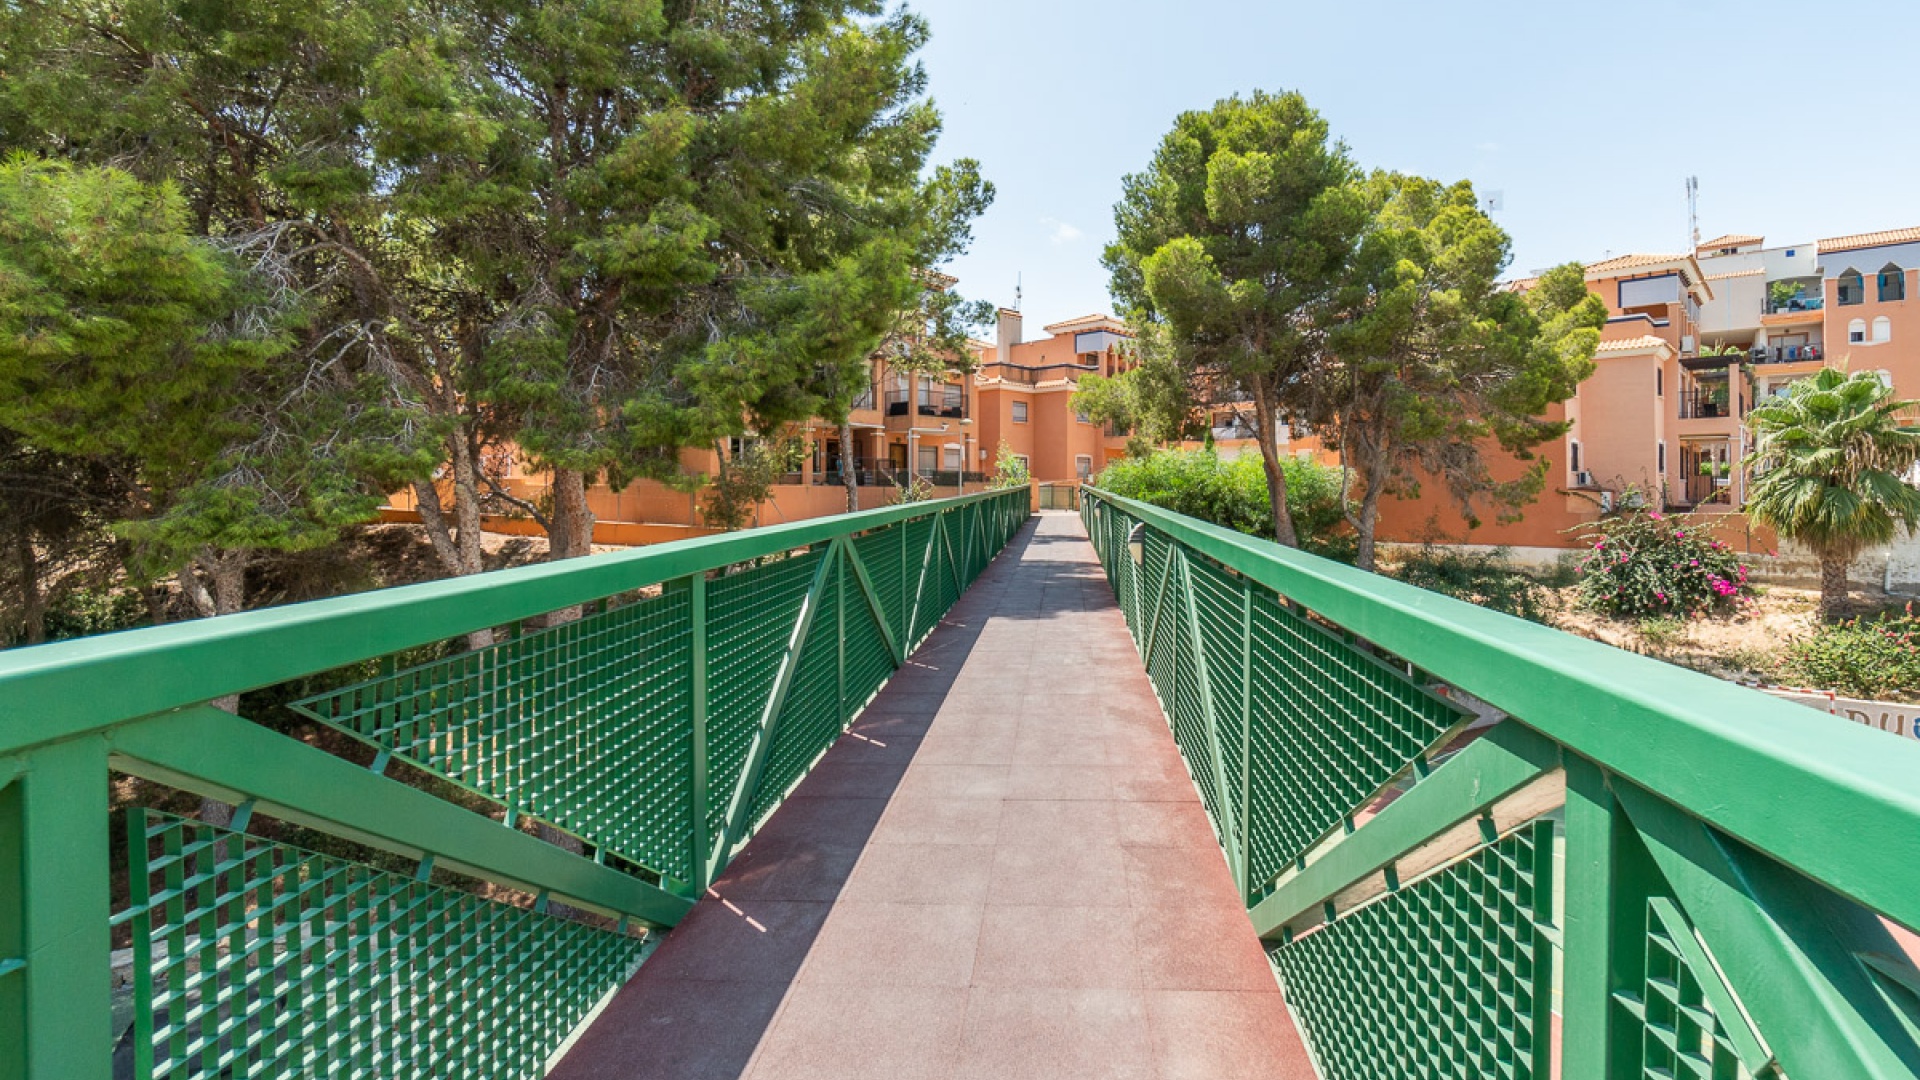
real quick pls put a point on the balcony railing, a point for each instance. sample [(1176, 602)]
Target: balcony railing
[(648, 708), (943, 401), (1786, 354), (1696, 404), (1799, 303), (1477, 846)]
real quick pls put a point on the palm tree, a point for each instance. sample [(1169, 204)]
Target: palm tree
[(1829, 467)]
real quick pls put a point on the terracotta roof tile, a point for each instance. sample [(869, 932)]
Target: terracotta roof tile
[(1871, 239), (1643, 343), (1629, 262), (1730, 240), (1756, 272)]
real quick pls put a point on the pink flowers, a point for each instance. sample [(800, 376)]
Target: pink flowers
[(1724, 587), (1657, 516)]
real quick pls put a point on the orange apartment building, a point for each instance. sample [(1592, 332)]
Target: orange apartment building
[(1691, 342)]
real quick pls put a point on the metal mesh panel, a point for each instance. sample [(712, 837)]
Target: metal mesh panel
[(1216, 600), (937, 592), (750, 622), (1330, 726), (810, 717), (869, 663), (919, 582), (586, 725), (254, 958), (880, 552), (1187, 708), (1682, 1038), (1446, 978)]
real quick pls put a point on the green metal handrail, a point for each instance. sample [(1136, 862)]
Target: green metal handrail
[(651, 731), (1721, 874)]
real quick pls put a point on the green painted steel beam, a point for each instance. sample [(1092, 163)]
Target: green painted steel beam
[(1494, 766), (51, 692), (217, 754), (1604, 928), (1789, 949), (1831, 798), (54, 1009)]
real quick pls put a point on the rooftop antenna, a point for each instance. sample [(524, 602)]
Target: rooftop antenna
[(1018, 292), (1693, 211)]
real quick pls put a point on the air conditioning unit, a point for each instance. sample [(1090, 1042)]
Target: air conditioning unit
[(1583, 478)]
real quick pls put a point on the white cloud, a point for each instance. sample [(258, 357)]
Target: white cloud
[(1060, 232)]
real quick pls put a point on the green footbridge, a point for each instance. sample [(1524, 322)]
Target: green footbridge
[(843, 797)]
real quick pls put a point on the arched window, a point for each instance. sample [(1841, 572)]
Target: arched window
[(1882, 329), (1856, 331), (1893, 283), (1853, 288)]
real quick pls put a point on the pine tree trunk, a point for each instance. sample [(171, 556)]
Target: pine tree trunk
[(571, 534), (33, 602), (1364, 553), (849, 466), (1833, 587), (1283, 531)]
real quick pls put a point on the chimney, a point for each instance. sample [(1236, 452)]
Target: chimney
[(1006, 335)]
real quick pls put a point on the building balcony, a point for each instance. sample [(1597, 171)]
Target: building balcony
[(1786, 354), (942, 402)]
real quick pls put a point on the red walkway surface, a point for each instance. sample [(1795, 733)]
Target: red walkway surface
[(1002, 873)]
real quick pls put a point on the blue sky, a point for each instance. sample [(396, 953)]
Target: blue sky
[(1587, 118)]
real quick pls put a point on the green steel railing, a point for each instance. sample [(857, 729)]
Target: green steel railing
[(1478, 847), (648, 736)]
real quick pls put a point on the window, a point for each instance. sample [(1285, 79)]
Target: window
[(1081, 416), (1660, 458), (1083, 466), (1789, 253), (1659, 382), (1022, 459), (929, 459), (1019, 412), (950, 457), (1573, 456), (1857, 331), (1853, 289), (1893, 283), (1882, 330)]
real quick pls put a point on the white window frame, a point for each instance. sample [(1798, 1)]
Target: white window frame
[(1882, 330), (1084, 472)]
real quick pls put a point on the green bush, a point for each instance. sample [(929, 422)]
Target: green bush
[(1859, 657), (1478, 577), (1233, 493), (1648, 564)]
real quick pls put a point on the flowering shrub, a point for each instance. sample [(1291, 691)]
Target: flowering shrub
[(1860, 658), (1643, 564)]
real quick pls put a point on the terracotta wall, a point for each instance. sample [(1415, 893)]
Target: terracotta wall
[(1900, 354)]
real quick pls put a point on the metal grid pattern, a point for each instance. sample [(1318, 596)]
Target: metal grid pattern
[(937, 591), (584, 725), (1447, 978), (1681, 1036), (810, 717), (254, 958), (750, 622), (1331, 726), (869, 662), (918, 581), (884, 554)]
